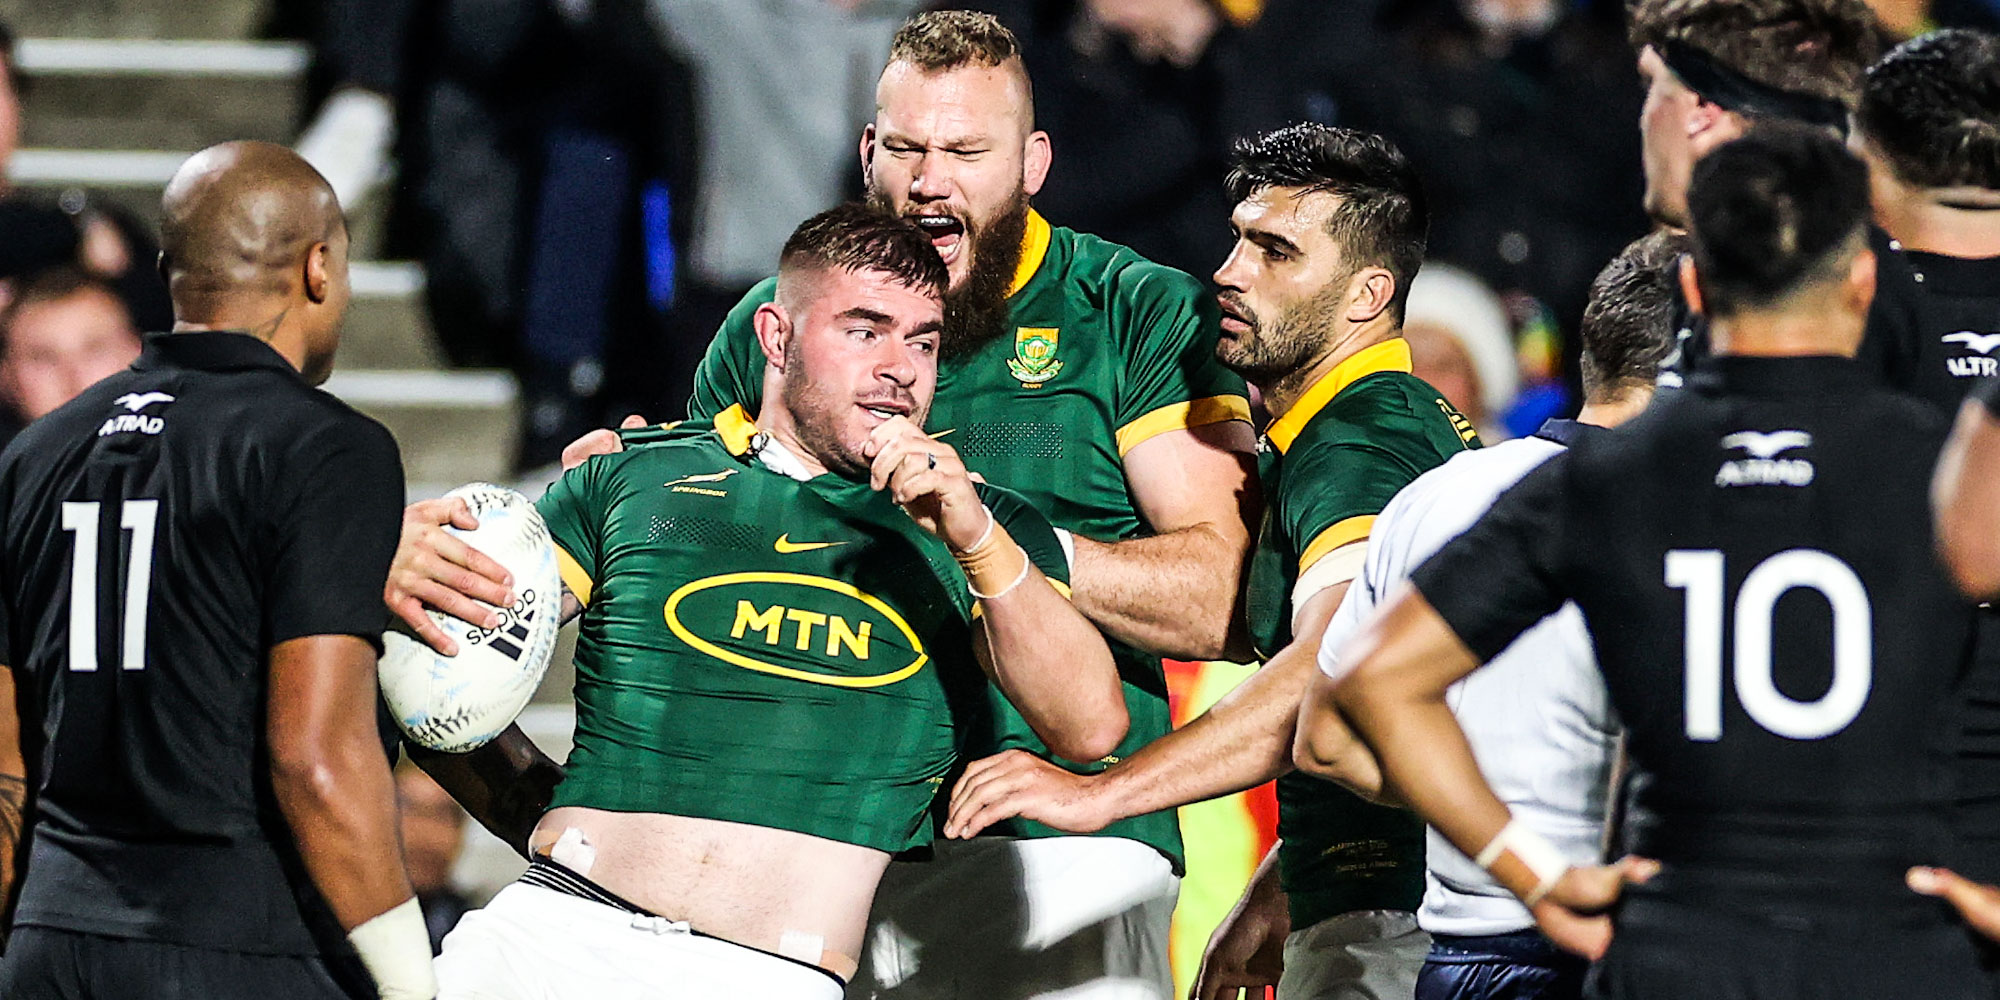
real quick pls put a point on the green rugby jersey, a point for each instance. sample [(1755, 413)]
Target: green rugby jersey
[(1108, 350), (763, 650), (1329, 465)]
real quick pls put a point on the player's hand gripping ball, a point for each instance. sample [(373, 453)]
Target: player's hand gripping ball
[(458, 703)]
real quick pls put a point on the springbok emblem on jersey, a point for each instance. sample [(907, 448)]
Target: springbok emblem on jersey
[(1763, 467), (133, 402), (1034, 361)]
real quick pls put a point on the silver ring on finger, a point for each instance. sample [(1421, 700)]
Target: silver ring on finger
[(933, 458)]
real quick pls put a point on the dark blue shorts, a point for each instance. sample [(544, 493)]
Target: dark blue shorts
[(1522, 965)]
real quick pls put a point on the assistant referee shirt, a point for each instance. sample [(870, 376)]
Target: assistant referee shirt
[(1537, 716), (164, 530)]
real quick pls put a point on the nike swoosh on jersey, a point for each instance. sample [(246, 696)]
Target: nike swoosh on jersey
[(786, 546)]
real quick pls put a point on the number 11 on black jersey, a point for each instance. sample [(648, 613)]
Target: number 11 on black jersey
[(141, 518)]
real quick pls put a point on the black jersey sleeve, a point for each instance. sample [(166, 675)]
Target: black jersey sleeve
[(334, 535), (1502, 575)]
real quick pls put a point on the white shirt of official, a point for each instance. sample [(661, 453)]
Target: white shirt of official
[(1537, 716)]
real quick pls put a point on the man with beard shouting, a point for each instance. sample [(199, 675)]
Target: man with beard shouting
[(1082, 376)]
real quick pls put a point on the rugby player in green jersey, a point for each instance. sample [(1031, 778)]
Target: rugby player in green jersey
[(1330, 229), (784, 622), (1082, 376)]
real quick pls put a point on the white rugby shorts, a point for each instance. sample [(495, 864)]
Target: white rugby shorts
[(532, 943), (1057, 918)]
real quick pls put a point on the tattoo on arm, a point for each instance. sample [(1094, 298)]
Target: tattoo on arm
[(13, 825)]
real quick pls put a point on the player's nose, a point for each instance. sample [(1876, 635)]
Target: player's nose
[(932, 180)]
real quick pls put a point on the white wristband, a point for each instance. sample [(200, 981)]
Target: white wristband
[(396, 948), (1534, 850)]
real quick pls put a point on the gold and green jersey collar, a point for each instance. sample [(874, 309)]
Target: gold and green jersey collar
[(1392, 355), (1034, 248)]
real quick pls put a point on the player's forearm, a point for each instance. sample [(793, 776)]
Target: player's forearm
[(340, 803), (1424, 757), (1173, 594), (13, 829), (1055, 668), (1327, 748), (1242, 741), (1966, 494), (505, 785)]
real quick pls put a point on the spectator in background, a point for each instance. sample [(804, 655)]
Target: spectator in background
[(1463, 345), (1135, 97), (433, 835), (63, 331), (35, 236), (546, 162), (1517, 113), (781, 88)]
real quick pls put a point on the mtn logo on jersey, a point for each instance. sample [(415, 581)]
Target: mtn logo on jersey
[(796, 625), (1981, 344), (1763, 466), (132, 421)]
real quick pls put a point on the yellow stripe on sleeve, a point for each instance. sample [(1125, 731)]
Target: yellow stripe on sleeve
[(573, 576), (1181, 416), (1354, 529)]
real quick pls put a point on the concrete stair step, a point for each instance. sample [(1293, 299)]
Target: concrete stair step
[(93, 93), (131, 180), (387, 326), (452, 427), (221, 19)]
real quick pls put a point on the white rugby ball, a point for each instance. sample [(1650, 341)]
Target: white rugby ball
[(457, 703)]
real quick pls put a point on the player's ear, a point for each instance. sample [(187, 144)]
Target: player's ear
[(317, 282), (1035, 162), (1368, 293), (774, 329), (1860, 284), (1690, 286), (867, 151)]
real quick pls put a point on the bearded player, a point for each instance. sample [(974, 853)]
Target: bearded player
[(832, 583), (1330, 229), (1081, 375)]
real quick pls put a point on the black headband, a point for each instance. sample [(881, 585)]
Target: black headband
[(1722, 86)]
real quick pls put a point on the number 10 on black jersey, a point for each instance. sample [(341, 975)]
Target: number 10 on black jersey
[(1700, 573), (81, 519)]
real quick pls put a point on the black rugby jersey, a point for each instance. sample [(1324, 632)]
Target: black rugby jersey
[(162, 532), (1933, 329), (1754, 559)]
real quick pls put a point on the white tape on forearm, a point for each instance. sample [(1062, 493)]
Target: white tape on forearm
[(1542, 858), (1068, 542), (396, 948)]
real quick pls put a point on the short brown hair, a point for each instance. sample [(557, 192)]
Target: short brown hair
[(51, 284), (1382, 219), (1816, 48), (857, 237), (948, 39), (1629, 325)]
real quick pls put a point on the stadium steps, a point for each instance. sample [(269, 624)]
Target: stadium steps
[(107, 121)]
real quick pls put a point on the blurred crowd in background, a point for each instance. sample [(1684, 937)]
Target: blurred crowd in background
[(591, 184)]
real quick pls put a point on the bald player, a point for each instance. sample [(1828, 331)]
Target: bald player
[(190, 602)]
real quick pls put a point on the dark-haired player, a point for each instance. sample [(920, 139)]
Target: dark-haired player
[(1926, 127), (1082, 375), (1537, 717), (832, 582), (190, 583), (1330, 228), (1754, 560)]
